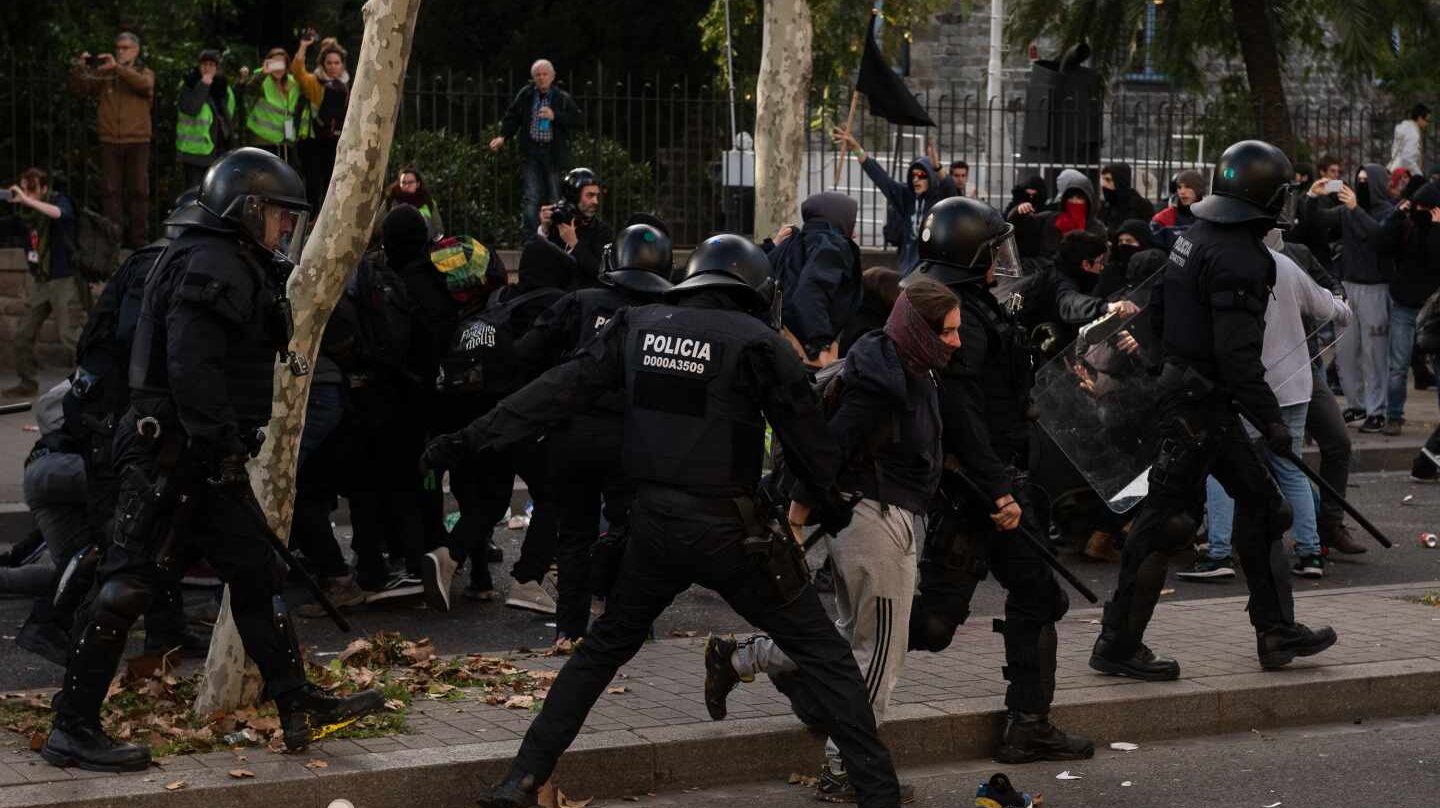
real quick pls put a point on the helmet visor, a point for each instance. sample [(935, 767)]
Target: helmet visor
[(277, 228), (1005, 256)]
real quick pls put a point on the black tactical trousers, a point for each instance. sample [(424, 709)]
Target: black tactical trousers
[(677, 540), (585, 472), (214, 525), (960, 550), (1201, 438), (483, 487)]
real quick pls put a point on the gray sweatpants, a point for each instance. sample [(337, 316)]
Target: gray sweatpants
[(874, 562), (1362, 356)]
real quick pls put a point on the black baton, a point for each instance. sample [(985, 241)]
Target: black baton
[(250, 506), (1315, 477), (1045, 554)]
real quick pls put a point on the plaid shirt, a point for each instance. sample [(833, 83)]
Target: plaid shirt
[(538, 133)]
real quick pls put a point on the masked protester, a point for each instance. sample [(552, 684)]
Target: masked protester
[(213, 319), (1210, 316), (1412, 228), (1074, 209), (700, 379), (909, 200), (1119, 200), (886, 419)]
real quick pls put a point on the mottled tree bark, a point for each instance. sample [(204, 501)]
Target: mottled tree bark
[(341, 231), (780, 96)]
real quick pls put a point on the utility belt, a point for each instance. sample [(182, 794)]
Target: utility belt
[(148, 510), (1189, 381), (772, 549)]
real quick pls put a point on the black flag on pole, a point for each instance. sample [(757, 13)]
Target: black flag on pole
[(888, 96)]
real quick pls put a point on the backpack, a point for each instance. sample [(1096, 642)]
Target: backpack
[(94, 245), (481, 353), (383, 318)]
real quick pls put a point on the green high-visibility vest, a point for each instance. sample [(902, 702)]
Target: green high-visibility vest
[(267, 118), (192, 132)]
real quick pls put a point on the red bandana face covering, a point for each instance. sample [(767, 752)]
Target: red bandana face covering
[(920, 348), (1072, 216)]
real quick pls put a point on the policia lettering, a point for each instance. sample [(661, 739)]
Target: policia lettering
[(678, 353)]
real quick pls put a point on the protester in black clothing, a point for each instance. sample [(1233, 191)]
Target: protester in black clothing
[(1122, 269), (819, 269), (701, 379), (880, 286), (983, 403), (544, 118), (1061, 297), (585, 236), (483, 484), (1118, 198), (1210, 316), (1073, 208), (1414, 228), (908, 200), (201, 373)]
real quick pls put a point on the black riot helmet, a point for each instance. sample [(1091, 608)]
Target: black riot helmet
[(575, 181), (733, 264), (962, 238), (639, 259), (259, 196), (1250, 184)]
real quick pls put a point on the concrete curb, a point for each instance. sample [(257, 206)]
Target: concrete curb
[(619, 763)]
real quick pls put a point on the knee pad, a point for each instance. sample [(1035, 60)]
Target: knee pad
[(1176, 531), (1281, 516), (932, 629), (119, 603), (285, 627)]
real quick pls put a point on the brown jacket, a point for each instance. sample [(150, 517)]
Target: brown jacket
[(126, 97)]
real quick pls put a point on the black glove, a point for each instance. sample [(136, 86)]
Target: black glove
[(444, 452), (1277, 440), (833, 514)]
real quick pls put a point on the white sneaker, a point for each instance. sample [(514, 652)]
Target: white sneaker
[(531, 596), (438, 572)]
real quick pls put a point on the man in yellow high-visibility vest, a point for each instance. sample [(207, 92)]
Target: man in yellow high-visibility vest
[(205, 120)]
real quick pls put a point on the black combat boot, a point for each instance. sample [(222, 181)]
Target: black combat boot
[(1142, 663), (515, 791), (308, 709), (1279, 647), (1030, 737), (82, 743)]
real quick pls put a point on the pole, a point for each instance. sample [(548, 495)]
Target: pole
[(1315, 477), (994, 94), (730, 76), (993, 74), (845, 148)]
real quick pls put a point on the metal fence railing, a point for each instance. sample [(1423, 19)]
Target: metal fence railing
[(662, 146)]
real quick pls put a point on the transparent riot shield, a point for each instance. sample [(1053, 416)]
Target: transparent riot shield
[(1099, 399)]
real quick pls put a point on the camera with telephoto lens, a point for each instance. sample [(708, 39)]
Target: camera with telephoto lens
[(564, 212)]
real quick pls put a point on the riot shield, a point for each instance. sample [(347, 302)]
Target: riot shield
[(1099, 399)]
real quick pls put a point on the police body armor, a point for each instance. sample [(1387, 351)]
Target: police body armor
[(220, 273), (689, 423), (1188, 297), (597, 305), (1007, 373)]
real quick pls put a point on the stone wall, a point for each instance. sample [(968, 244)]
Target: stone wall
[(13, 279)]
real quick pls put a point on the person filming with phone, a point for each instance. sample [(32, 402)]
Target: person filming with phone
[(125, 89), (275, 116)]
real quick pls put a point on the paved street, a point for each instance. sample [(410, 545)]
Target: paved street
[(1390, 763)]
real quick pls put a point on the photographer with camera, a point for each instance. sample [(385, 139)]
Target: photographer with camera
[(574, 225), (543, 116), (125, 89), (52, 286)]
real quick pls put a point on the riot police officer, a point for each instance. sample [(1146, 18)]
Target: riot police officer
[(1210, 316), (965, 244), (212, 321), (585, 462), (700, 378)]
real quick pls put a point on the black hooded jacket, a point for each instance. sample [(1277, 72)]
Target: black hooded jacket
[(1124, 202), (905, 209), (888, 427), (1417, 248), (819, 271)]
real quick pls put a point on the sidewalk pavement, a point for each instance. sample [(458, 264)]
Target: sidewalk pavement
[(655, 734)]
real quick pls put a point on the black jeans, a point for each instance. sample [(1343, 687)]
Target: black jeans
[(1202, 438), (1325, 423), (540, 185), (677, 540), (483, 487), (384, 468), (586, 472)]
